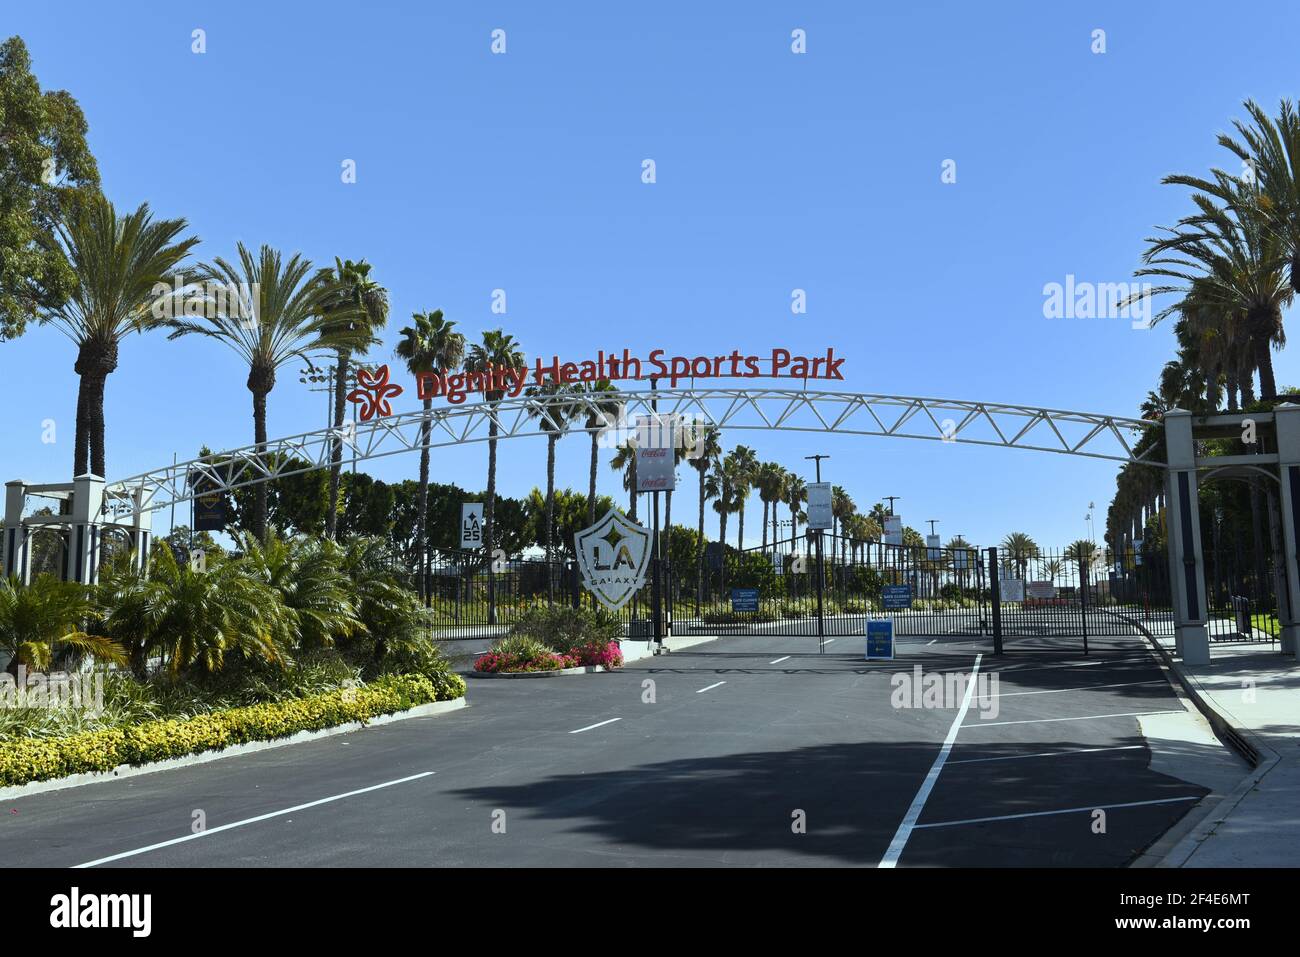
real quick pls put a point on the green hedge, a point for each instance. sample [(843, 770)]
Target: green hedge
[(41, 759)]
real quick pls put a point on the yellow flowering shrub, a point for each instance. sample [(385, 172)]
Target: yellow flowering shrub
[(41, 759)]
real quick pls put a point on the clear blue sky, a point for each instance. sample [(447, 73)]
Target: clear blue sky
[(775, 171)]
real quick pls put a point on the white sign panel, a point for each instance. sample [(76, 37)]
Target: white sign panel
[(932, 550), (471, 525), (893, 529), (612, 556), (961, 559), (1011, 589), (819, 505)]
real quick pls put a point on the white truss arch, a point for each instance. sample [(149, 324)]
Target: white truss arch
[(849, 413)]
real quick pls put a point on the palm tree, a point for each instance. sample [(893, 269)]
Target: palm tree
[(841, 508), (121, 265), (357, 309), (1018, 549), (624, 462), (553, 418), (1229, 257), (717, 486), (429, 345), (796, 494), (316, 596), (497, 351), (41, 620), (1271, 149), (598, 400), (193, 619), (742, 465), (287, 324), (706, 449), (770, 480)]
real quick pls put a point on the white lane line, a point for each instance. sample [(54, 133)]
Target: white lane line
[(1118, 684), (918, 803), (252, 820), (829, 641), (598, 724), (930, 642), (1047, 754), (779, 660), (711, 687), (1064, 810), (1082, 717)]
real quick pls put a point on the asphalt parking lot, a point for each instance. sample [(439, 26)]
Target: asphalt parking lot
[(753, 751)]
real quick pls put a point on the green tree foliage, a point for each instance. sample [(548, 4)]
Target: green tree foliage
[(46, 170)]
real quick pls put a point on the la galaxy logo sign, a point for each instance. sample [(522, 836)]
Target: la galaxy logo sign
[(613, 555)]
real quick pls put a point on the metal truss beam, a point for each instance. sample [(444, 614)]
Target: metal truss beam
[(848, 413)]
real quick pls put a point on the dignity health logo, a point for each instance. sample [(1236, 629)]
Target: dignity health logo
[(1106, 300), (73, 910)]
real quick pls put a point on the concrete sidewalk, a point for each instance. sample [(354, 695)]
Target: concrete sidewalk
[(1253, 695)]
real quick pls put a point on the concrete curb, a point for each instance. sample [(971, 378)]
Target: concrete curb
[(559, 673), (203, 757), (1255, 752)]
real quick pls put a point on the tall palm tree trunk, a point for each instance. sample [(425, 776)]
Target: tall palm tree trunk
[(551, 439), (81, 451), (699, 551), (591, 479), (765, 508), (1264, 363), (422, 519), (259, 436), (336, 453), (489, 511), (740, 528), (631, 465)]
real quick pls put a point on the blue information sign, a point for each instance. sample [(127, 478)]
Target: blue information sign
[(744, 599), (880, 638), (896, 596)]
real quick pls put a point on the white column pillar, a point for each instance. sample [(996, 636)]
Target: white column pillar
[(84, 530), (13, 544), (1287, 419), (1183, 523), (141, 527)]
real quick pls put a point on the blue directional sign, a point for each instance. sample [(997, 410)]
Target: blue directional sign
[(896, 597), (744, 599), (880, 638)]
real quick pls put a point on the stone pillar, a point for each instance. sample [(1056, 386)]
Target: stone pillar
[(141, 528), (84, 530), (1287, 419), (1183, 523), (13, 544)]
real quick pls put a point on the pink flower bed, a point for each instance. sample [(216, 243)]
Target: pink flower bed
[(607, 655)]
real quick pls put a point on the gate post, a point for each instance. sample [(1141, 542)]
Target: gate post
[(14, 543), (141, 528), (1286, 418), (1183, 524), (84, 530), (996, 600)]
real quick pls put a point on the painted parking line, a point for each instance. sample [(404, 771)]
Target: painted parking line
[(1064, 810), (252, 820), (1082, 717), (779, 660), (718, 684), (918, 802), (1047, 754), (598, 724), (1117, 684)]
